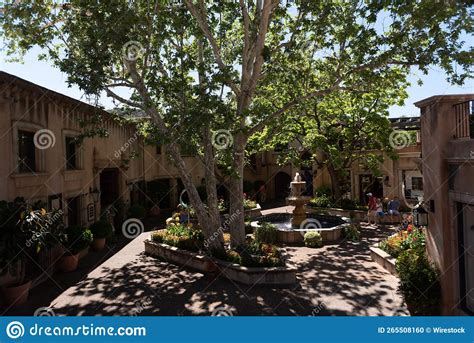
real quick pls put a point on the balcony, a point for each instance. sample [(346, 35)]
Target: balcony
[(464, 113)]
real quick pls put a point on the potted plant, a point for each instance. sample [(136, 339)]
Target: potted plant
[(47, 237), (78, 240), (101, 230), (13, 237)]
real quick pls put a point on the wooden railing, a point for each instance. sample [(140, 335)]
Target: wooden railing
[(464, 119)]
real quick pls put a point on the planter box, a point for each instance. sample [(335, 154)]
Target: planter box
[(253, 212), (257, 276), (385, 260), (251, 276), (180, 257), (360, 215)]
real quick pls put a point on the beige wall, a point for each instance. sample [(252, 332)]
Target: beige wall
[(25, 106), (441, 152), (408, 162)]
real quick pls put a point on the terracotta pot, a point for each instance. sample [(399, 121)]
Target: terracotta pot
[(83, 253), (16, 295), (68, 263), (98, 244)]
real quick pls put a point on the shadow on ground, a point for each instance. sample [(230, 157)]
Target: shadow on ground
[(334, 280)]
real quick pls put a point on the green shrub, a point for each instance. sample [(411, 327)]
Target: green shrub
[(101, 229), (350, 204), (136, 211), (180, 236), (313, 239), (266, 233), (249, 204), (323, 191), (351, 232), (419, 282), (256, 255), (412, 238), (78, 238), (248, 228), (321, 201)]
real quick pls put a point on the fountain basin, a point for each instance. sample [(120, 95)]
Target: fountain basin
[(330, 227)]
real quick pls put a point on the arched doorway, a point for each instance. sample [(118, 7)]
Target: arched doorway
[(282, 185)]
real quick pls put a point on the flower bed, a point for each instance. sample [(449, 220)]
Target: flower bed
[(180, 256), (259, 262), (404, 253), (281, 275)]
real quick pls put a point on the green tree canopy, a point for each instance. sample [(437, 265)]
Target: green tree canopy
[(198, 66)]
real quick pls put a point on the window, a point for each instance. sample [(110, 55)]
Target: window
[(71, 153), (26, 152), (417, 183)]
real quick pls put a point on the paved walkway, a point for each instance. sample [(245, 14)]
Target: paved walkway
[(334, 280)]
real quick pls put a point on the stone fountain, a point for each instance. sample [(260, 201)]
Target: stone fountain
[(297, 186)]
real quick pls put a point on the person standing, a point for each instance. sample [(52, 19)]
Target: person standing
[(372, 212)]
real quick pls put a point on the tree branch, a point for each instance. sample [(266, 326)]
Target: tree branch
[(204, 26)]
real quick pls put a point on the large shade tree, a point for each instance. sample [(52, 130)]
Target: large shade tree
[(198, 66), (340, 129)]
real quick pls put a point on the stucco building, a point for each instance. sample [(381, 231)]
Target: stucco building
[(447, 130), (45, 156), (83, 174)]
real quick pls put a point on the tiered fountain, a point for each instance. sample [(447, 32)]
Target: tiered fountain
[(292, 226), (298, 200)]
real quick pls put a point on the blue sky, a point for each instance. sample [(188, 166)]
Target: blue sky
[(42, 73)]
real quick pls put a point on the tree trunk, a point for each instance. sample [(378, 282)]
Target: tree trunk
[(211, 188), (236, 188), (210, 228), (335, 183)]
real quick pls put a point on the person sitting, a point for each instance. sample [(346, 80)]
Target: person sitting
[(379, 208), (394, 208)]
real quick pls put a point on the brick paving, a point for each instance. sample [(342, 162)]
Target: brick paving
[(338, 279)]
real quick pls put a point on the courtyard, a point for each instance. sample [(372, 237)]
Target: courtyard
[(338, 279), (250, 158)]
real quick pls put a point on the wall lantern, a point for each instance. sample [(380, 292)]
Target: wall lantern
[(95, 194), (420, 216)]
